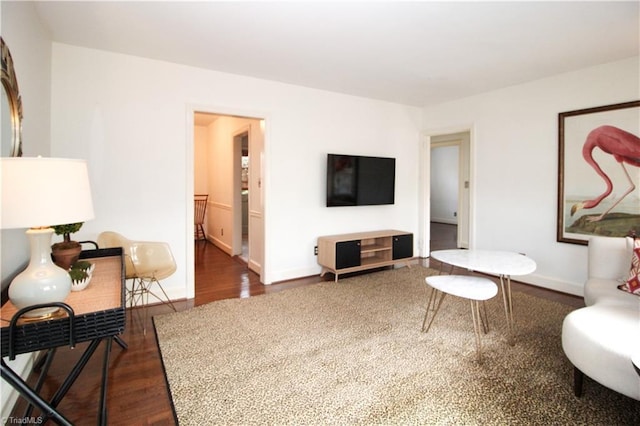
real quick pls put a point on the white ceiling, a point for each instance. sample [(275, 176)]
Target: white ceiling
[(414, 53)]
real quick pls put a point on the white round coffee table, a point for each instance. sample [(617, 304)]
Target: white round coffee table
[(504, 264), (475, 289)]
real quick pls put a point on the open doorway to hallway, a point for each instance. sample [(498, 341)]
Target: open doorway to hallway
[(228, 153), (443, 236), (450, 184)]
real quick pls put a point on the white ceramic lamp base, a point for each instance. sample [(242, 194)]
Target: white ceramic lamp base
[(42, 281)]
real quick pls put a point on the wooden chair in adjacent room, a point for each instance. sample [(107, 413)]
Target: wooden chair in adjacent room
[(199, 209)]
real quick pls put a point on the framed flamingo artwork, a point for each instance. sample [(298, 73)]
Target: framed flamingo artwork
[(599, 172)]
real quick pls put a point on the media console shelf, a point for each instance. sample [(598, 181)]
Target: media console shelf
[(360, 251)]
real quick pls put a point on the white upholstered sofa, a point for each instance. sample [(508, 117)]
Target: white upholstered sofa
[(601, 338)]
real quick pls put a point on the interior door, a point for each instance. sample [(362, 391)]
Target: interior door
[(256, 197)]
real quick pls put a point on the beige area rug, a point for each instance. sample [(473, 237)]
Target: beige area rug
[(352, 353)]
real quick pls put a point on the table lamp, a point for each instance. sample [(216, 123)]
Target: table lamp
[(36, 194)]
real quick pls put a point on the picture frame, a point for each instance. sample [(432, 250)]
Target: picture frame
[(598, 178)]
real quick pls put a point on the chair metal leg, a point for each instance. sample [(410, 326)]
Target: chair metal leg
[(135, 299), (138, 296), (166, 299), (145, 303)]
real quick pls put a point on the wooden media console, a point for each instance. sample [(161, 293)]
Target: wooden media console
[(360, 251)]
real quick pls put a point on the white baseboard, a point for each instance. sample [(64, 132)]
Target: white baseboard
[(221, 245), (576, 289), (293, 274), (446, 221)]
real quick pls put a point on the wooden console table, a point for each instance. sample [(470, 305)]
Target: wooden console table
[(360, 251), (92, 315)]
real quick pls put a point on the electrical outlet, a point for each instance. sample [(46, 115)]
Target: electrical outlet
[(455, 214), (315, 250)]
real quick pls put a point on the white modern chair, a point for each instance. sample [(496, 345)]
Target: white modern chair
[(146, 263)]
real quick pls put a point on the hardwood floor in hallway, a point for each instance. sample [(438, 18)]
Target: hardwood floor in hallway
[(137, 392), (443, 236)]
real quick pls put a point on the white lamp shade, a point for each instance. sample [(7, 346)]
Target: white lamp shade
[(42, 192)]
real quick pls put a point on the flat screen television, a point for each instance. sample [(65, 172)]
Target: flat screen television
[(354, 180)]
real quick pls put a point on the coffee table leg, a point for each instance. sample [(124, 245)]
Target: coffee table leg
[(477, 324), (433, 305), (508, 306), (440, 270), (484, 318)]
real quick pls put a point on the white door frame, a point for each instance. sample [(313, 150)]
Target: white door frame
[(191, 109), (425, 190)]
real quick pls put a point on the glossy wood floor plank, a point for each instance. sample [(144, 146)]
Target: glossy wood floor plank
[(137, 392)]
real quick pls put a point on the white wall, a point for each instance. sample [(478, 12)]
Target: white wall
[(200, 154), (30, 47), (129, 117), (515, 153)]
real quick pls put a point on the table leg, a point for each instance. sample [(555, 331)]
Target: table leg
[(73, 375), (21, 386), (477, 323), (440, 270), (433, 305), (75, 372), (43, 365), (121, 342), (484, 318), (508, 306), (102, 415)]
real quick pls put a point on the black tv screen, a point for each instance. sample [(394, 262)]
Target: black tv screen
[(354, 180)]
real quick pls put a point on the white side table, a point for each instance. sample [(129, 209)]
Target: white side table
[(504, 264), (476, 289)]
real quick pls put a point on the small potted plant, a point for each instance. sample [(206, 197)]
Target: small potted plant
[(66, 253), (80, 274)]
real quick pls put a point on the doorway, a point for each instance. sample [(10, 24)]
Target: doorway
[(224, 146), (447, 186)]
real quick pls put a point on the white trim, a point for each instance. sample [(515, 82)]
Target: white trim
[(190, 282), (191, 109), (577, 289), (424, 197)]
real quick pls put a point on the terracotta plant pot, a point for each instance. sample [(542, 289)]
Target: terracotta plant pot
[(65, 256)]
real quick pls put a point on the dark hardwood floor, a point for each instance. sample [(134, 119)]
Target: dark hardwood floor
[(137, 392)]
